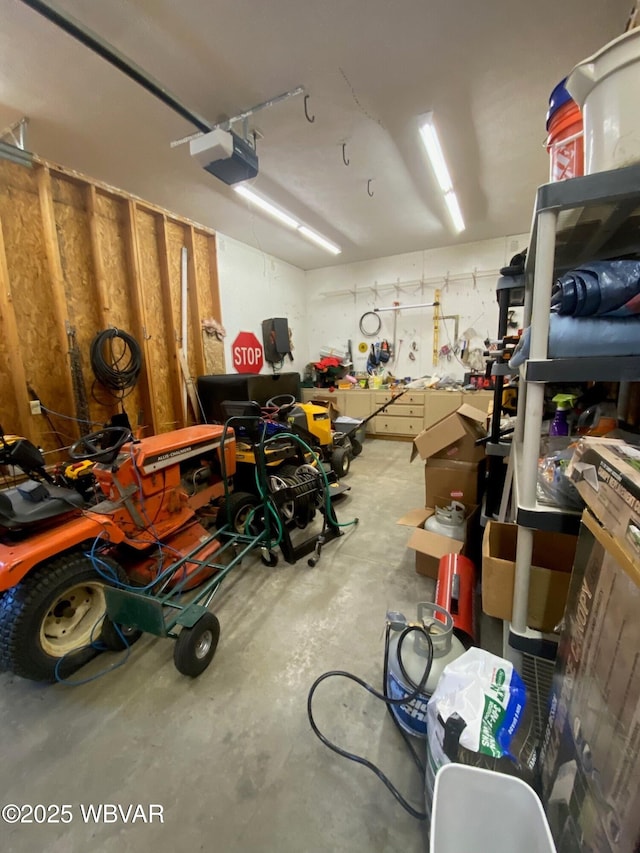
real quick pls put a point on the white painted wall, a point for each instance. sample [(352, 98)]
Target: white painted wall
[(324, 306), (255, 286), (466, 276)]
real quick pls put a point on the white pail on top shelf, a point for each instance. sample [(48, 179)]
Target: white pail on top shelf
[(606, 86)]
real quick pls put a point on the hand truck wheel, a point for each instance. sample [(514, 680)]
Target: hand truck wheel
[(269, 559), (195, 647)]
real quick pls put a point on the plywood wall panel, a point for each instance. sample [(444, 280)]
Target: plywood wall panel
[(206, 279), (17, 177), (176, 241), (74, 245), (13, 385), (44, 361), (118, 312), (79, 256)]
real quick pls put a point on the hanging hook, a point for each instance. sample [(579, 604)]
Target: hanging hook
[(309, 118), (369, 188), (344, 156)]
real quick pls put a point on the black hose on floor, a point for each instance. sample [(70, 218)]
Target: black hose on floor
[(389, 702)]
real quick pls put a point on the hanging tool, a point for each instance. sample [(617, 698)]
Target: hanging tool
[(79, 393), (395, 327)]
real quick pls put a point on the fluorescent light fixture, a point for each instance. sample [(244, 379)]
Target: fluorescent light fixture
[(266, 206), (286, 219), (431, 142), (429, 136), (451, 200), (319, 240)]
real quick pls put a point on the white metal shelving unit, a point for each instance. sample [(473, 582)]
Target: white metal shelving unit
[(584, 219)]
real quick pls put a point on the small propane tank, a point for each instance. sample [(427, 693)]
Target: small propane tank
[(415, 650), (448, 521)]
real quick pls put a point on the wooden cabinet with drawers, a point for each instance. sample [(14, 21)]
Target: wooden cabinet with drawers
[(404, 419)]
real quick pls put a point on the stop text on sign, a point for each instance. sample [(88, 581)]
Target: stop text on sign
[(246, 353)]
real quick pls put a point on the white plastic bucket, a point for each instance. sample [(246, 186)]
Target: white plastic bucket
[(479, 811), (606, 86)]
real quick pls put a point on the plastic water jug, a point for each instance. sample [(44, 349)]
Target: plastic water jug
[(448, 521)]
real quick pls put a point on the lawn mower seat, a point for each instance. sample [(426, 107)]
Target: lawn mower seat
[(19, 510), (6, 507), (246, 417)]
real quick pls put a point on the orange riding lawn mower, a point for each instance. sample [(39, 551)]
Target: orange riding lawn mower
[(135, 536)]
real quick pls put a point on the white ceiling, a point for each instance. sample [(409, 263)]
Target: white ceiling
[(370, 67)]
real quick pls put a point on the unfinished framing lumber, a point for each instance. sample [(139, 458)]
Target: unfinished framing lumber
[(139, 313), (194, 286), (56, 275), (171, 331), (215, 290), (98, 265)]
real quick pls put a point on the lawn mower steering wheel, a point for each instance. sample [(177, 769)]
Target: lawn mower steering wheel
[(88, 447), (283, 403)]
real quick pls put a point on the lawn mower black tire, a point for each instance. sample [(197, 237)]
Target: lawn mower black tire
[(196, 646), (37, 605), (341, 461), (238, 509)]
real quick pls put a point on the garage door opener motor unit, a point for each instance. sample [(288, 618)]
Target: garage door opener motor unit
[(225, 155)]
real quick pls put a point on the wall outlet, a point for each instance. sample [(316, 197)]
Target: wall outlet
[(36, 408)]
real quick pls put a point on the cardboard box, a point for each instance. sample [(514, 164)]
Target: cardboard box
[(590, 759), (453, 437), (329, 403), (607, 475), (553, 555), (431, 547), (454, 480)]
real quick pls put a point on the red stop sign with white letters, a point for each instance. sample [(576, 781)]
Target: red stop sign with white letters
[(246, 353)]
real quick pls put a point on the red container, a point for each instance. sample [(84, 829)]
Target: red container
[(455, 591), (565, 142)]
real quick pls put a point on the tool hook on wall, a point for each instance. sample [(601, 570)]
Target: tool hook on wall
[(369, 188), (309, 118), (344, 155)]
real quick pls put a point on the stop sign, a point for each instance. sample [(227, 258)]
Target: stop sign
[(246, 352)]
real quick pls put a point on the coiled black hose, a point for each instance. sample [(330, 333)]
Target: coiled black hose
[(116, 366)]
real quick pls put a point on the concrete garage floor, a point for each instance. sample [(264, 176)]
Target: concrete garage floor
[(230, 756)]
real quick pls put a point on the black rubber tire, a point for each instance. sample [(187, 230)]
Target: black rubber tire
[(238, 508), (23, 608), (356, 447), (270, 560), (341, 461), (195, 647)]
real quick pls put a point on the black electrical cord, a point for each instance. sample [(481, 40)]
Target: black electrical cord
[(116, 369), (417, 690)]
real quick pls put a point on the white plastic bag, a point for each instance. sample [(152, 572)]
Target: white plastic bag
[(477, 715)]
